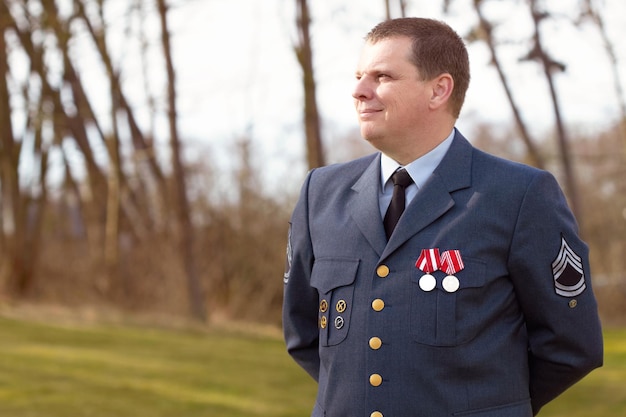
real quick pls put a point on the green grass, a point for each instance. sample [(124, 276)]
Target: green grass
[(133, 371), (98, 370), (603, 392)]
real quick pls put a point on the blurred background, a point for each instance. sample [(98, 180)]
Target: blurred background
[(151, 151)]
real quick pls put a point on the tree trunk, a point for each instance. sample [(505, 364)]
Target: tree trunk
[(401, 4), (597, 19), (12, 233), (549, 66), (535, 156), (315, 157), (185, 232)]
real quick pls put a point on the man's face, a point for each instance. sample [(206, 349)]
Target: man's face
[(390, 97)]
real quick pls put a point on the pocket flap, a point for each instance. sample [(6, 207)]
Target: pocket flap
[(473, 275), (331, 273)]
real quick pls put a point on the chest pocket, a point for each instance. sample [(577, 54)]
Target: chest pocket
[(334, 280), (442, 318)]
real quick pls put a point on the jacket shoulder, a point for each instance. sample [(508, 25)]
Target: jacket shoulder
[(345, 172), (503, 169)]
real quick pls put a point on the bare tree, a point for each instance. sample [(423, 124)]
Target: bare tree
[(12, 233), (185, 232), (119, 204), (589, 9), (23, 208), (401, 4), (550, 66), (304, 53), (485, 33), (110, 202)]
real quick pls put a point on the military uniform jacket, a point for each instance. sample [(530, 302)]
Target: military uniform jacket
[(521, 327)]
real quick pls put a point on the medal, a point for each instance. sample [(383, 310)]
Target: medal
[(427, 282), (450, 283), (428, 262), (451, 263)]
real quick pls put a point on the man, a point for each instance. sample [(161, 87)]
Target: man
[(479, 303)]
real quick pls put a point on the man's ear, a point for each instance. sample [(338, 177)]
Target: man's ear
[(442, 87)]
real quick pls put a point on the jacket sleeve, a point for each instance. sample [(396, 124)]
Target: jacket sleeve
[(549, 266), (300, 302)]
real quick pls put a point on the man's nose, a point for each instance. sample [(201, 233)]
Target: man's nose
[(362, 89)]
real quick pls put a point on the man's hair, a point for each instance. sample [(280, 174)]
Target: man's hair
[(437, 49)]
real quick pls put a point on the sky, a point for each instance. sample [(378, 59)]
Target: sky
[(237, 74)]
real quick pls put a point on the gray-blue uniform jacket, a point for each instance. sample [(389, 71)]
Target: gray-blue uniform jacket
[(520, 329)]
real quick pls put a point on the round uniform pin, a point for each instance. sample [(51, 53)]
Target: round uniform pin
[(427, 282), (450, 283)]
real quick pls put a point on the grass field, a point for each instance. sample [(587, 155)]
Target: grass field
[(99, 370)]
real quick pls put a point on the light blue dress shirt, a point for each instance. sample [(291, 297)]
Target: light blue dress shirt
[(419, 170)]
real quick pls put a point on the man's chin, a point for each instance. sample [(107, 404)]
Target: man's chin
[(374, 140)]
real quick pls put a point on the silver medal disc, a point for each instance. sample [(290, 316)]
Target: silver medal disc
[(450, 283), (427, 282)]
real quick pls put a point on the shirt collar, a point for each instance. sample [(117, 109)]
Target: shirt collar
[(419, 169)]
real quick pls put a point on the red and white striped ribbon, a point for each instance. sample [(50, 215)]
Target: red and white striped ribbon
[(451, 262), (428, 260)]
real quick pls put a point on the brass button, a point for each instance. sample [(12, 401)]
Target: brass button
[(341, 306), (323, 306), (382, 271), (323, 322), (375, 343), (376, 414), (375, 380), (378, 304)]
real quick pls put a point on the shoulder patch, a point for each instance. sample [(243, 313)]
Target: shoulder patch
[(289, 257), (568, 272)]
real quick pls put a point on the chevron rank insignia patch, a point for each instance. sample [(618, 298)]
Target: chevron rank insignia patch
[(568, 272), (289, 257)]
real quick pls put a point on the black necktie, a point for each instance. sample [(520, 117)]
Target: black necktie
[(401, 179)]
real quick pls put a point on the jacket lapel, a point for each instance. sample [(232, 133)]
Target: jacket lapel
[(364, 206), (434, 199)]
